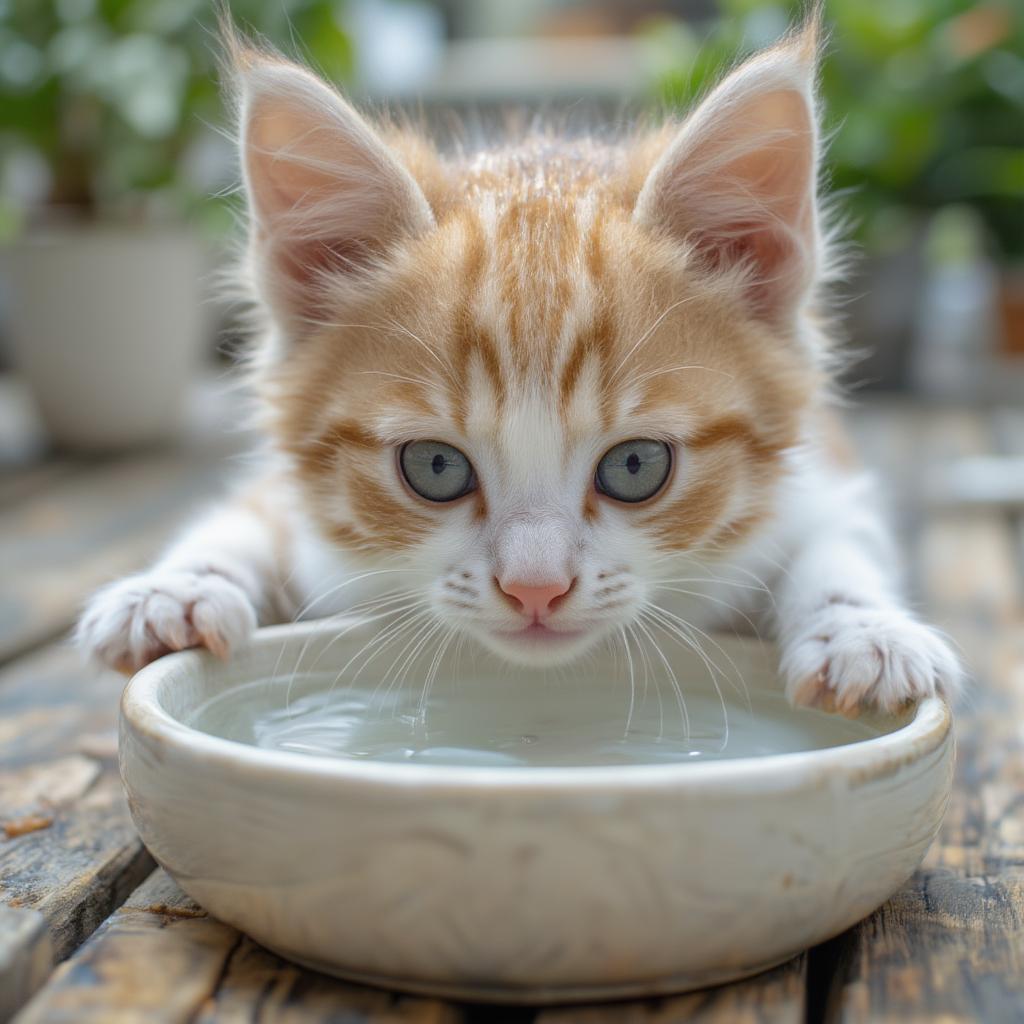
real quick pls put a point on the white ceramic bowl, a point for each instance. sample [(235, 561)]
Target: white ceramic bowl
[(524, 884)]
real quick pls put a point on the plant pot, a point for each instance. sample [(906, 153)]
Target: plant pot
[(1011, 311), (107, 327)]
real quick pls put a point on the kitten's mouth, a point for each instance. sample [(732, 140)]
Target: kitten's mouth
[(538, 633), (537, 644)]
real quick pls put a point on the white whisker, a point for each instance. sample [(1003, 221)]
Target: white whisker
[(632, 682), (680, 699), (650, 330)]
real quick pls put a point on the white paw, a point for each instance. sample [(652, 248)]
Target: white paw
[(847, 657), (136, 620)]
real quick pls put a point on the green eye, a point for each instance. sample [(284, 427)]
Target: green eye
[(634, 470), (436, 471)]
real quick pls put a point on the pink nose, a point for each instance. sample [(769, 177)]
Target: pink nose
[(536, 601)]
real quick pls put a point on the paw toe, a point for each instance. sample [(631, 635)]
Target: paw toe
[(855, 658), (223, 618), (137, 620)]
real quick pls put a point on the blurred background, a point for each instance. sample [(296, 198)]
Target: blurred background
[(118, 421), (117, 199)]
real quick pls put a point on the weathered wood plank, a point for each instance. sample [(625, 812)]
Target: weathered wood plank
[(22, 482), (950, 946), (136, 968), (775, 997), (68, 850), (54, 706), (68, 527), (67, 846), (90, 527), (77, 868), (161, 959), (25, 957)]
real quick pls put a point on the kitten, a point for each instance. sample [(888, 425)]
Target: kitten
[(546, 394)]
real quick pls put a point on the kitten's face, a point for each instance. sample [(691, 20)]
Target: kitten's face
[(538, 395), (473, 426)]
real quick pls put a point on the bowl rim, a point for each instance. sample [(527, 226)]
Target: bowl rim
[(146, 719)]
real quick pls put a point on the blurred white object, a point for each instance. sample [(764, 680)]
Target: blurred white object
[(106, 325), (956, 322), (476, 71), (981, 480), (399, 45)]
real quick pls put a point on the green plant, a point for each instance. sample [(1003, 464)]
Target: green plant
[(113, 99), (925, 100)]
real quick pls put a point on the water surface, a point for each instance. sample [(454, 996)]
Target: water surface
[(505, 725)]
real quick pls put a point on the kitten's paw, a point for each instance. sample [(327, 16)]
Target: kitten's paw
[(849, 657), (139, 619)]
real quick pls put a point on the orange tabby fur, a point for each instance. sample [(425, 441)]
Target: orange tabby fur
[(532, 308)]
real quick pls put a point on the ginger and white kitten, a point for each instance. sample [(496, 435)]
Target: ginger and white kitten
[(545, 395)]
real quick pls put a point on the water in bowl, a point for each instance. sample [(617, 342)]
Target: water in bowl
[(554, 725)]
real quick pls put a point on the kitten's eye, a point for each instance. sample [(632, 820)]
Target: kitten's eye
[(436, 471), (634, 470)]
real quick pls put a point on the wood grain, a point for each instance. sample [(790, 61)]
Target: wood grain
[(58, 765), (950, 946), (67, 526), (53, 705), (22, 482), (61, 543), (775, 997), (25, 957), (161, 960)]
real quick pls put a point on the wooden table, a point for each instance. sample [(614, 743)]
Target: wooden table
[(77, 887)]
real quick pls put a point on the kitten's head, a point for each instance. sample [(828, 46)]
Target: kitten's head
[(539, 374)]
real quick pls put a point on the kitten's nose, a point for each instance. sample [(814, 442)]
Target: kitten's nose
[(536, 600)]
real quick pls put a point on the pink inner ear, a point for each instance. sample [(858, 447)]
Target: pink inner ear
[(776, 254), (328, 196), (278, 180), (308, 264), (738, 184), (775, 181)]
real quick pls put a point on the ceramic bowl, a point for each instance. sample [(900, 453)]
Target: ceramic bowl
[(525, 884)]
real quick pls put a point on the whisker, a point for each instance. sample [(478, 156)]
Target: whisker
[(749, 573), (741, 684), (402, 329), (686, 631), (651, 374), (322, 595), (432, 673), (429, 385), (715, 600), (632, 683), (713, 671), (348, 581), (680, 699), (380, 640), (650, 330), (413, 646), (316, 661), (648, 676)]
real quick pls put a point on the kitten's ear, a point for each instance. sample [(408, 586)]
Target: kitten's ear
[(738, 182), (327, 198)]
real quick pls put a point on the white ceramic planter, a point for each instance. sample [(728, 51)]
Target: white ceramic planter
[(107, 327), (524, 884)]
